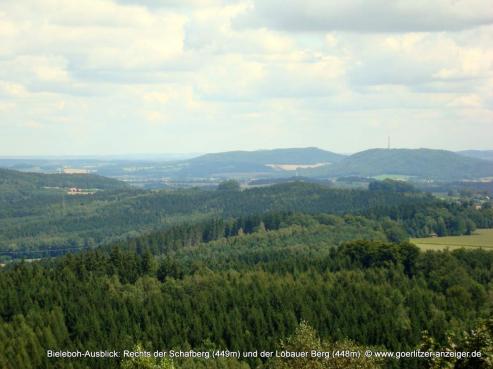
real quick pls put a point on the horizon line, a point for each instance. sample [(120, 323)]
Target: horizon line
[(196, 154)]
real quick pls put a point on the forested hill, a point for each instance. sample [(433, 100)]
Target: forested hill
[(280, 163), (478, 154), (309, 155), (11, 180), (246, 292), (422, 163), (238, 163), (30, 202), (100, 218)]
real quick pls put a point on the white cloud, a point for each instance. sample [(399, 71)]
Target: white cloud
[(439, 62), (369, 15), (207, 75), (33, 124), (12, 89), (95, 33)]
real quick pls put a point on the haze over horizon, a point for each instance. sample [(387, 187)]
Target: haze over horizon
[(174, 156), (122, 77)]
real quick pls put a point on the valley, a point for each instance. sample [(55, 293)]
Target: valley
[(262, 261)]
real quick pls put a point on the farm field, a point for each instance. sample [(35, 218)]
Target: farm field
[(395, 177), (481, 238)]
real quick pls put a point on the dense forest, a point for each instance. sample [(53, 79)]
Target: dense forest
[(51, 222), (244, 284), (282, 267)]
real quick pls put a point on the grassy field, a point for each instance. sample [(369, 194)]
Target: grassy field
[(395, 177), (481, 238)]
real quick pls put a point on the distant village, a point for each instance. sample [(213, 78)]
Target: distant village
[(79, 191)]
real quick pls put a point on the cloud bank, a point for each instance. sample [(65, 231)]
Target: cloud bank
[(113, 77)]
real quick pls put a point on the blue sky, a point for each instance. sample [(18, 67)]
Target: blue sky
[(121, 77)]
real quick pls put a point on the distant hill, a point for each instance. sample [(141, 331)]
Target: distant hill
[(478, 154), (308, 155), (14, 180), (261, 162), (245, 164), (422, 163), (280, 164)]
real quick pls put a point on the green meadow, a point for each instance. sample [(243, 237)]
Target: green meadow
[(482, 238)]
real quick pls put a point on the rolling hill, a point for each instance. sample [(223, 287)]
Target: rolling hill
[(43, 220), (478, 154), (11, 179), (23, 194), (261, 162), (308, 155), (420, 163), (278, 163)]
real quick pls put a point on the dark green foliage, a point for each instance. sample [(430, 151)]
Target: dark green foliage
[(146, 362), (55, 222), (236, 270), (244, 290), (230, 185), (370, 254), (391, 185), (305, 339), (478, 340)]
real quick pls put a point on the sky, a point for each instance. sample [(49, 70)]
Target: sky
[(100, 77)]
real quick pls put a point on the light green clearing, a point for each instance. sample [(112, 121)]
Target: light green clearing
[(395, 177), (481, 238)]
